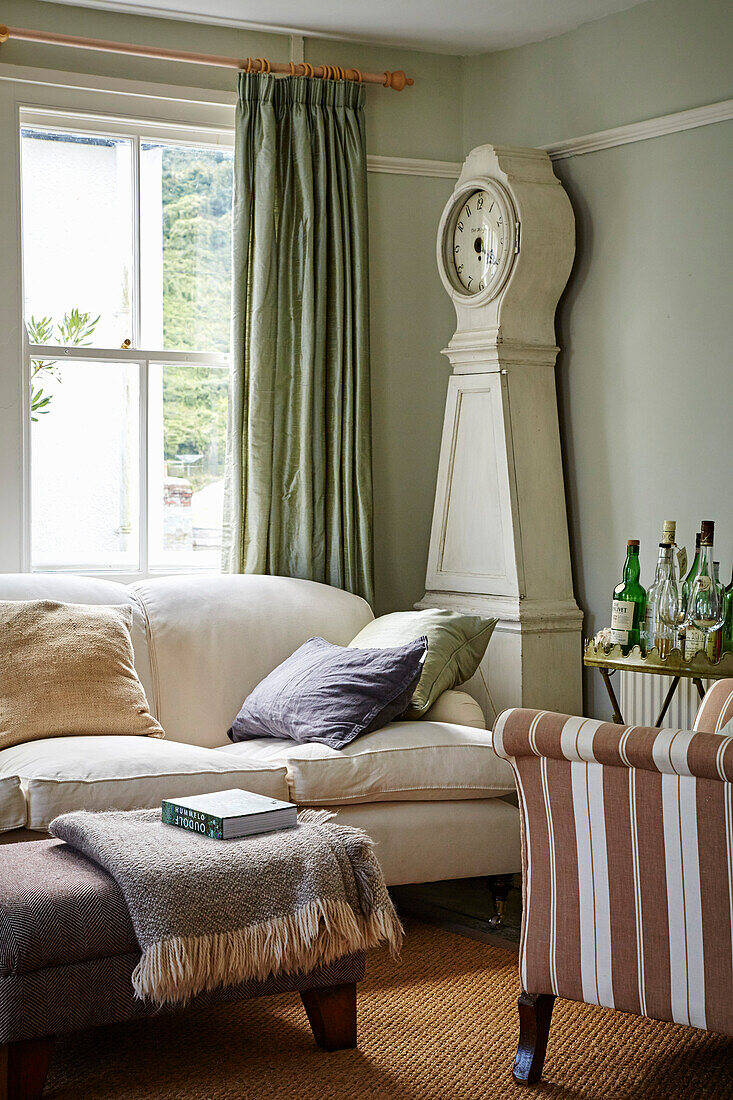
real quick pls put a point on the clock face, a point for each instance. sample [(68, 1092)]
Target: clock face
[(479, 241)]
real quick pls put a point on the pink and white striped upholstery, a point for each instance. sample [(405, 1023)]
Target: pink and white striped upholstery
[(627, 837)]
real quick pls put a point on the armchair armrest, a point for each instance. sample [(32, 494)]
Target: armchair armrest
[(716, 708), (527, 733)]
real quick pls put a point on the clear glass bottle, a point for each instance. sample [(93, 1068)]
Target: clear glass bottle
[(685, 599), (705, 605), (679, 554), (727, 631), (629, 602), (714, 643), (662, 603)]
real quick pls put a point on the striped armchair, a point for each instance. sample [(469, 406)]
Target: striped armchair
[(627, 838)]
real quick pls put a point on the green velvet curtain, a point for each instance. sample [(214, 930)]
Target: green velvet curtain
[(298, 499)]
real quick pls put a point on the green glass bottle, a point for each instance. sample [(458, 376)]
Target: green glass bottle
[(629, 602)]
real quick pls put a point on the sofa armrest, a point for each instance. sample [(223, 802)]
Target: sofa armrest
[(526, 733), (457, 707), (716, 708)]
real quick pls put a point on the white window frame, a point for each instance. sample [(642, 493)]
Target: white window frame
[(119, 108)]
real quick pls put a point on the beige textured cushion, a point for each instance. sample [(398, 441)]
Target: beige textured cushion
[(404, 762), (59, 775), (67, 670)]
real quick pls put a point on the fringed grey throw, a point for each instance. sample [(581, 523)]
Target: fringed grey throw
[(208, 913)]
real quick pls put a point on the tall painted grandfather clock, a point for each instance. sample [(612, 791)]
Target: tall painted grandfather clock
[(499, 540)]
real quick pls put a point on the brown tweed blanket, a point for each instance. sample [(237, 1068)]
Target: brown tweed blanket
[(209, 913)]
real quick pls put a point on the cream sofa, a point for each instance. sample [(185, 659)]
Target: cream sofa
[(432, 793)]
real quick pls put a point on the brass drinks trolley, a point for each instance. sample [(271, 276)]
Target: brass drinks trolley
[(610, 659)]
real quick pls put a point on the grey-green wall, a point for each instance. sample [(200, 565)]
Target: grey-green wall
[(646, 324), (411, 315)]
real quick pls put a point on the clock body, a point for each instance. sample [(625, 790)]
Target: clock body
[(499, 539)]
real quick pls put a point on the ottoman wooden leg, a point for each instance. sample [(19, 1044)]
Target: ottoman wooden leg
[(535, 1012), (332, 1015), (23, 1069)]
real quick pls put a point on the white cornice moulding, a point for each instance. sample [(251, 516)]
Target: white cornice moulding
[(395, 166), (641, 131), (407, 166)]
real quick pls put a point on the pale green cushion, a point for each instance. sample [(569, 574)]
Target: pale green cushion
[(456, 644)]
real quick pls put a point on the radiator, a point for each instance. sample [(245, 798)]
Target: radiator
[(641, 698)]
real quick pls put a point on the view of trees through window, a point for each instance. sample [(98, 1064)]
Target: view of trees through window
[(197, 227), (82, 276)]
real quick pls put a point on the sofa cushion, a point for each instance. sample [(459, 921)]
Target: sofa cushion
[(66, 669), (456, 644), (331, 693), (126, 773), (405, 761), (65, 588), (214, 638), (12, 804)]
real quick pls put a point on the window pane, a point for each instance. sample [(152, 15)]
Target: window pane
[(187, 411), (185, 232), (84, 460), (77, 237)]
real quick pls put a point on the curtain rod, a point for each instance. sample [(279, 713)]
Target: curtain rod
[(396, 80)]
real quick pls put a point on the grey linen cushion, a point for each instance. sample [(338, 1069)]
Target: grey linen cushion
[(331, 694)]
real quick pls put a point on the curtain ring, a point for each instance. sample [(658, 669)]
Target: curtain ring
[(264, 64), (291, 68), (249, 65), (358, 77), (308, 69)]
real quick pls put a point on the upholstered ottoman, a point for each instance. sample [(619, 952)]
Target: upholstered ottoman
[(67, 953)]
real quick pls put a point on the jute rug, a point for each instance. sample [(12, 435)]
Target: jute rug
[(441, 1025)]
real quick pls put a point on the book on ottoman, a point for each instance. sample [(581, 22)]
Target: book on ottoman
[(228, 815)]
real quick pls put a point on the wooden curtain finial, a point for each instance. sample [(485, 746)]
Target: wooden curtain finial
[(397, 80), (4, 33)]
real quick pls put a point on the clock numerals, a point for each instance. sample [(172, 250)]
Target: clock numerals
[(459, 227), (459, 269), (468, 211), (482, 285), (457, 249), (470, 280), (480, 202)]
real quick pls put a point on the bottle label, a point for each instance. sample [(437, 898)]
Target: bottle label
[(622, 621), (681, 562), (694, 642), (704, 582)]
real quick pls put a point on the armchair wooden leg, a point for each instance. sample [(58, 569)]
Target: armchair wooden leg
[(332, 1015), (535, 1013), (23, 1069)]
